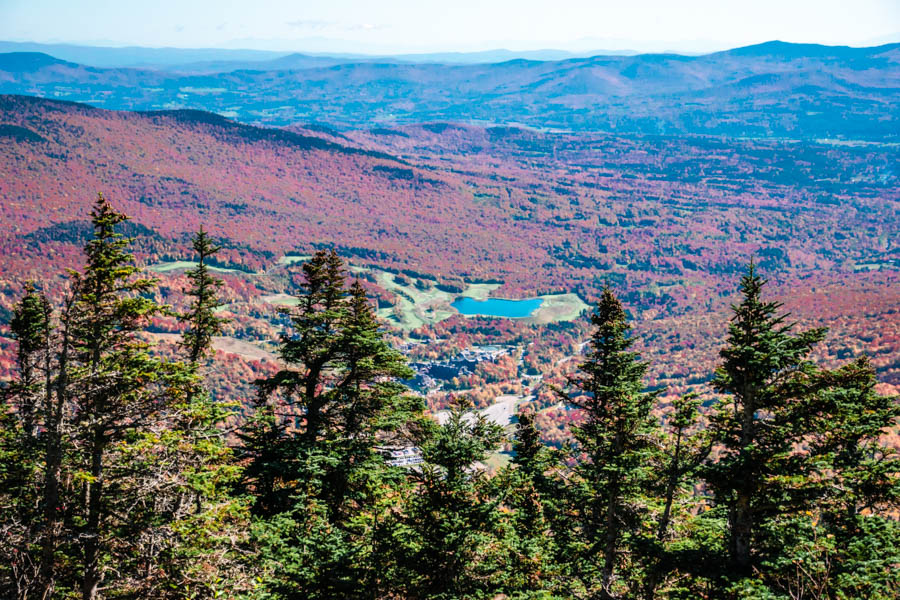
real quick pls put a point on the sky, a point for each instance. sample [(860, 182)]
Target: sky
[(401, 26)]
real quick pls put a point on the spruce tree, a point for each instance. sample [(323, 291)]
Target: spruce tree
[(26, 532), (863, 472), (446, 541), (617, 441), (202, 519), (670, 551), (92, 411), (31, 327), (317, 476), (769, 406), (529, 452), (532, 494), (859, 479), (312, 350), (368, 402), (118, 390), (296, 405), (201, 319)]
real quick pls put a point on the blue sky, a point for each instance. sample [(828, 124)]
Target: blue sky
[(465, 25)]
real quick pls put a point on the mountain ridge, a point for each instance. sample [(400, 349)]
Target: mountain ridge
[(776, 90)]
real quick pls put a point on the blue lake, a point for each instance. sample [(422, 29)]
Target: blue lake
[(497, 307)]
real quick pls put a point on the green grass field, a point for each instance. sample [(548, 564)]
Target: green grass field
[(186, 264), (419, 302), (417, 306), (290, 260), (558, 307)]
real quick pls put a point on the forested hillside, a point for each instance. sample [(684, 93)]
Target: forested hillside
[(430, 212), (771, 90), (121, 476)]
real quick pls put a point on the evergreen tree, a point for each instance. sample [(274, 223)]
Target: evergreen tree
[(31, 327), (769, 408), (314, 469), (297, 406), (671, 551), (202, 322), (446, 542), (200, 520), (369, 402), (267, 454), (24, 530), (116, 479), (529, 451), (863, 473), (19, 533), (617, 441), (682, 460), (535, 514), (118, 390), (859, 479), (92, 418)]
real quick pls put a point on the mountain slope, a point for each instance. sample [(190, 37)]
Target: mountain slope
[(271, 191), (539, 211), (669, 221), (768, 90)]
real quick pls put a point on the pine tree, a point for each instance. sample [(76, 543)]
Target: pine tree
[(202, 322), (117, 390), (769, 407), (617, 440), (446, 542), (24, 530), (314, 468)]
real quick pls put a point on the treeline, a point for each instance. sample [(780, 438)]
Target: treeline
[(118, 481)]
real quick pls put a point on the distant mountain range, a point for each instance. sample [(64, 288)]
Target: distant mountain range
[(775, 89), (218, 59)]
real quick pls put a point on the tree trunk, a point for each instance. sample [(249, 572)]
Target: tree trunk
[(612, 530), (313, 404), (610, 542), (92, 575), (740, 515), (51, 504), (54, 414), (671, 485), (741, 532)]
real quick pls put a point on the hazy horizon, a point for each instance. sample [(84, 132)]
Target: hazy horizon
[(407, 27)]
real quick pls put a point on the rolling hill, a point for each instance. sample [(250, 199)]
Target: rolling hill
[(669, 221), (769, 90)]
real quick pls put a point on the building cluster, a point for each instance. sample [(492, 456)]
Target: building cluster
[(430, 373), (401, 456)]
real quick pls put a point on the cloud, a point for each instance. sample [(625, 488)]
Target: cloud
[(313, 24), (364, 27), (317, 25)]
